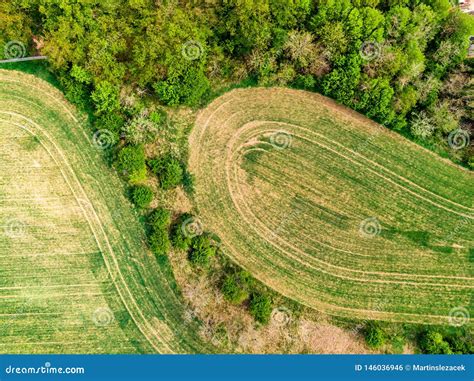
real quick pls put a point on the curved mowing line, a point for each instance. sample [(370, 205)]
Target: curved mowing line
[(231, 162), (255, 124), (228, 146), (157, 328), (104, 246)]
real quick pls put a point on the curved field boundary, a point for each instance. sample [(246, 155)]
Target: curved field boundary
[(246, 185), (145, 288)]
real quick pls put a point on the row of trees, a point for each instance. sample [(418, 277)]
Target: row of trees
[(397, 61), (430, 339)]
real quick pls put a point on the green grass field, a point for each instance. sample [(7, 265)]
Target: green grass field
[(75, 275), (333, 210)]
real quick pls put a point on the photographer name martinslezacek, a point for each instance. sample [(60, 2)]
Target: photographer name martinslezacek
[(408, 368), (439, 368)]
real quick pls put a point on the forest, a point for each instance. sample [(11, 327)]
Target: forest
[(402, 63)]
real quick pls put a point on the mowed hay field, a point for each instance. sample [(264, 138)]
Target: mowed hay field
[(75, 275), (333, 210)]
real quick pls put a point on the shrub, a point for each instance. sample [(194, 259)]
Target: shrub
[(131, 162), (80, 74), (105, 97), (75, 92), (158, 237), (201, 250), (159, 242), (260, 307), (169, 171), (461, 343), (188, 182), (140, 129), (235, 287), (306, 82), (183, 86), (111, 121), (159, 219), (142, 196), (159, 117), (432, 342), (374, 335)]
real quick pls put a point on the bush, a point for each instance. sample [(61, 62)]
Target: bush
[(169, 171), (188, 182), (105, 97), (306, 82), (235, 287), (374, 335), (131, 163), (140, 129), (183, 86), (201, 250), (158, 238), (159, 242), (260, 307), (75, 92), (461, 343), (142, 196), (159, 219), (111, 121), (432, 342), (159, 117)]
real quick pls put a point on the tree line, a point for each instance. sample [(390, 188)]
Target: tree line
[(400, 62)]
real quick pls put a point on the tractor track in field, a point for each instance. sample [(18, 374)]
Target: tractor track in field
[(233, 132)]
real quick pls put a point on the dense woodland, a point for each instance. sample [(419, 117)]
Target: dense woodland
[(400, 62)]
